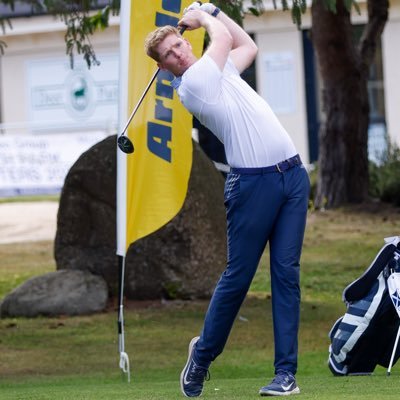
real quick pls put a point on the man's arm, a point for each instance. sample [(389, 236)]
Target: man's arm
[(220, 38), (244, 50)]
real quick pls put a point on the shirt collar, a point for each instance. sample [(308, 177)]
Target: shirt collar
[(176, 82)]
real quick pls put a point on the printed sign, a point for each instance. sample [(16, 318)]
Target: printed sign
[(59, 95), (38, 164)]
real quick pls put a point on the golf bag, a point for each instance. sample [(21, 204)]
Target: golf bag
[(366, 335)]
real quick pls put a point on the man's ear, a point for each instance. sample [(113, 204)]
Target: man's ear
[(159, 65)]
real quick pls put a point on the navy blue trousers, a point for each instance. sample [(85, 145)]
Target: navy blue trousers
[(261, 207)]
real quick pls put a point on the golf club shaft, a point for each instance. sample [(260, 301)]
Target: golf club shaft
[(182, 29), (140, 101)]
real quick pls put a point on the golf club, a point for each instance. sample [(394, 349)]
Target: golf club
[(124, 143)]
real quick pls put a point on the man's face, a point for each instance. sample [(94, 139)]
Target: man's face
[(175, 54)]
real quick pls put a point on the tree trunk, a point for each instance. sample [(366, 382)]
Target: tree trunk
[(343, 136)]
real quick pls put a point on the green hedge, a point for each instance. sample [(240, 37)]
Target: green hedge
[(384, 178)]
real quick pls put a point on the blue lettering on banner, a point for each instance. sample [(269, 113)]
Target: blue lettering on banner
[(160, 135), (163, 19), (171, 5), (163, 113), (163, 87), (157, 136)]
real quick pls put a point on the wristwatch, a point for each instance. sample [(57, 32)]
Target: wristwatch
[(216, 12)]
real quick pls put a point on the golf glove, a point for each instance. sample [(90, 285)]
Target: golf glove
[(193, 6), (209, 8)]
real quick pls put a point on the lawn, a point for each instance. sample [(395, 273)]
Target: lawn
[(77, 357)]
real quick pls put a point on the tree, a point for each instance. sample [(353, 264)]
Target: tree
[(343, 64), (344, 67)]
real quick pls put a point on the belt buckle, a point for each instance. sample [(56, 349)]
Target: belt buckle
[(278, 168)]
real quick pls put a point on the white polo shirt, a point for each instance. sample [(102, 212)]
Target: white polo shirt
[(240, 118)]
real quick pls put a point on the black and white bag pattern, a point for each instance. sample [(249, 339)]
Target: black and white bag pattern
[(365, 336)]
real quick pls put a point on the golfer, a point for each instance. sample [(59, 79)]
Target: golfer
[(266, 191)]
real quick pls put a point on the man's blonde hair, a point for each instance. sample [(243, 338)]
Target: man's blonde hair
[(154, 38)]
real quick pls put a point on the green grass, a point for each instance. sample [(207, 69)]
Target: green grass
[(77, 357), (19, 199), (321, 386), (20, 261)]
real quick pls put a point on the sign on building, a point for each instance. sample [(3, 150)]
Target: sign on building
[(38, 164), (60, 97)]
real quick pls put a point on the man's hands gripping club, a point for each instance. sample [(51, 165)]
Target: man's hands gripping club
[(193, 19), (227, 38), (209, 8)]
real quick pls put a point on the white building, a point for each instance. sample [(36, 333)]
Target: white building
[(39, 93)]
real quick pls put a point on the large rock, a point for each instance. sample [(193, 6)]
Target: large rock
[(183, 259), (57, 293)]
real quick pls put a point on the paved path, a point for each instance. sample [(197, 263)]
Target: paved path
[(28, 221)]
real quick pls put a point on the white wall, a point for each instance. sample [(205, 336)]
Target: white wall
[(280, 43), (391, 74), (281, 57), (36, 44)]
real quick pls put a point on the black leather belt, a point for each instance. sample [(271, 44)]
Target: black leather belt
[(280, 167)]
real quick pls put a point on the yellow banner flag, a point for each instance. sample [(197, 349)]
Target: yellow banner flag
[(156, 175)]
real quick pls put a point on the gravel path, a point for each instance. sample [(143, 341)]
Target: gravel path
[(28, 221)]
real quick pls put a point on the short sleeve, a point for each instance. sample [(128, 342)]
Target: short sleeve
[(203, 80)]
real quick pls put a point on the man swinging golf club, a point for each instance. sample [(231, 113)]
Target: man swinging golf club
[(266, 191)]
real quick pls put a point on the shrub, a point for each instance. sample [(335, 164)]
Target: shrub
[(384, 178)]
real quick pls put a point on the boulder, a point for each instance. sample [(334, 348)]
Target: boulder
[(57, 293), (183, 259)]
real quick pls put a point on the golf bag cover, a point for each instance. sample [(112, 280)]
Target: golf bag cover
[(364, 337)]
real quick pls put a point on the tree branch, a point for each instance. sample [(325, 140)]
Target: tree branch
[(378, 11)]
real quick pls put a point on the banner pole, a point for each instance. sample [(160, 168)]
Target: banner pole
[(123, 356)]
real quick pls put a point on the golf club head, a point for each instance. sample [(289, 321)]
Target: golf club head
[(125, 144)]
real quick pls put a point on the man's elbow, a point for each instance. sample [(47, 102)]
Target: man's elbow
[(250, 52), (253, 50), (228, 40)]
